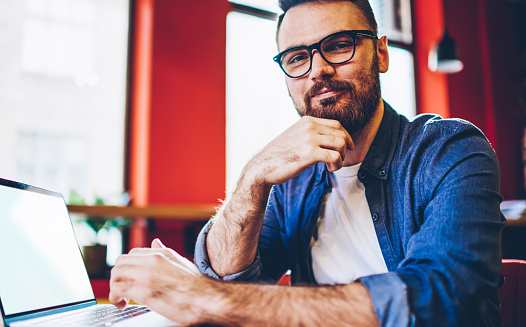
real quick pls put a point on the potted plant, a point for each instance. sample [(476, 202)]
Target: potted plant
[(95, 249)]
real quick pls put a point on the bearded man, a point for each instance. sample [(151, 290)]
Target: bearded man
[(381, 220)]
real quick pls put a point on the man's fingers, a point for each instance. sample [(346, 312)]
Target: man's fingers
[(129, 282), (117, 301), (121, 293), (328, 127), (332, 142), (120, 287), (162, 251), (146, 257), (159, 247), (350, 142)]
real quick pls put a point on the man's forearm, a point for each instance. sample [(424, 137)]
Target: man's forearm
[(232, 240), (170, 285), (260, 305)]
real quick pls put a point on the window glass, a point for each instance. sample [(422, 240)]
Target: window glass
[(394, 19), (63, 93), (398, 84), (257, 103), (269, 5)]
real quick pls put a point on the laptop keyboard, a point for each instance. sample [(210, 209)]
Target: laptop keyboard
[(100, 316)]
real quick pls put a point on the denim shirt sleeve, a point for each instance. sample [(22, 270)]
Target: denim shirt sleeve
[(202, 261), (390, 299), (270, 262), (451, 269)]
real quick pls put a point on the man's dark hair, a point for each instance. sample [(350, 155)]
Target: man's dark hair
[(363, 6)]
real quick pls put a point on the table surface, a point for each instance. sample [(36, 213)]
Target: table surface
[(201, 212)]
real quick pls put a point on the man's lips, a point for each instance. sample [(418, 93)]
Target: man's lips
[(325, 93)]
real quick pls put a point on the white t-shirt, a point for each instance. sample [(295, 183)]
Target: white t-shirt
[(346, 247)]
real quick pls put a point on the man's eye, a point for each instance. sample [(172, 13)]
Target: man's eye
[(297, 59), (340, 47)]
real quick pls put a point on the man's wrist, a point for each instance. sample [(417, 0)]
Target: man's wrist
[(252, 183)]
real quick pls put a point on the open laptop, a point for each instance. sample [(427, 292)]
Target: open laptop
[(43, 280)]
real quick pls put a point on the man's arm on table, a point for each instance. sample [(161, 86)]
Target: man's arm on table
[(171, 285)]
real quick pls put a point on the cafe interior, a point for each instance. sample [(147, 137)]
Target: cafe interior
[(180, 77)]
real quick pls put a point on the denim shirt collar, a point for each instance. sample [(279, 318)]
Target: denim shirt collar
[(382, 150)]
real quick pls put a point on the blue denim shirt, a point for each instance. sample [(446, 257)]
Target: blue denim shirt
[(432, 185)]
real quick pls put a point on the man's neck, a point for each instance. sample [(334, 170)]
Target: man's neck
[(364, 138)]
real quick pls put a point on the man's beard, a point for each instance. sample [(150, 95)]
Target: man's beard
[(352, 107)]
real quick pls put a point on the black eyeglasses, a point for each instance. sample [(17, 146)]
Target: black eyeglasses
[(336, 48)]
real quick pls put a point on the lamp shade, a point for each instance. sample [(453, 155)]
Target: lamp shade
[(444, 57)]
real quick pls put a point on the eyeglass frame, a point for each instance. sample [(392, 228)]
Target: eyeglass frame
[(317, 46)]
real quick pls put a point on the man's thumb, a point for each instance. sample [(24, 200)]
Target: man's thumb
[(157, 244)]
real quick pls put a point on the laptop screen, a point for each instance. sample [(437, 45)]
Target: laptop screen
[(40, 262)]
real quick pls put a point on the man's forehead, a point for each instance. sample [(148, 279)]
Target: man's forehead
[(311, 21)]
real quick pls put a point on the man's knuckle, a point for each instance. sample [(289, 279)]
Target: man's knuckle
[(309, 139), (340, 143), (309, 123), (333, 157), (337, 124), (310, 151), (158, 257)]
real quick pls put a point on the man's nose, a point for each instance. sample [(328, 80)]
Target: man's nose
[(320, 69)]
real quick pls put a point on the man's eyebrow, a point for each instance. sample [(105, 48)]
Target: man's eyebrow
[(318, 40), (297, 44)]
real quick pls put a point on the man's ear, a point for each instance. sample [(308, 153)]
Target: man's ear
[(383, 54)]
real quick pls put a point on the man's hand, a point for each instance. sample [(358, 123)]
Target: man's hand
[(161, 279), (307, 142)]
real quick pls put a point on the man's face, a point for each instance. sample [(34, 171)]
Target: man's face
[(349, 92)]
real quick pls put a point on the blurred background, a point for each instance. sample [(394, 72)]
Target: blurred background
[(160, 103)]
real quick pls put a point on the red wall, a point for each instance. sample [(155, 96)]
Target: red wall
[(483, 93), (177, 123), (428, 27), (187, 145)]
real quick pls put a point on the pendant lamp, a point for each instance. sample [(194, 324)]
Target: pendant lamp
[(444, 57)]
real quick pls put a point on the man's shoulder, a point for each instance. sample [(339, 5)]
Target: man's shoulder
[(432, 127), (444, 142), (433, 122)]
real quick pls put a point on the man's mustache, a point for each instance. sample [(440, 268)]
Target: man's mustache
[(330, 85)]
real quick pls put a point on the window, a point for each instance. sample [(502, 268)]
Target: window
[(63, 94), (259, 109), (398, 84)]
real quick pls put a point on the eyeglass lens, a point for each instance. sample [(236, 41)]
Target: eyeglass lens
[(335, 49)]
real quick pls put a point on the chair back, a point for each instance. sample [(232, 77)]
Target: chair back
[(513, 293)]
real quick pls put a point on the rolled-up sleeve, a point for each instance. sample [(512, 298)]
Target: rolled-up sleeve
[(271, 259), (390, 299), (202, 261)]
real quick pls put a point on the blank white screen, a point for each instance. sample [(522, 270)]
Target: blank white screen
[(40, 262)]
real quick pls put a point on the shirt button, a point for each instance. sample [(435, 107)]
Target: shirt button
[(381, 173), (375, 217), (362, 175)]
